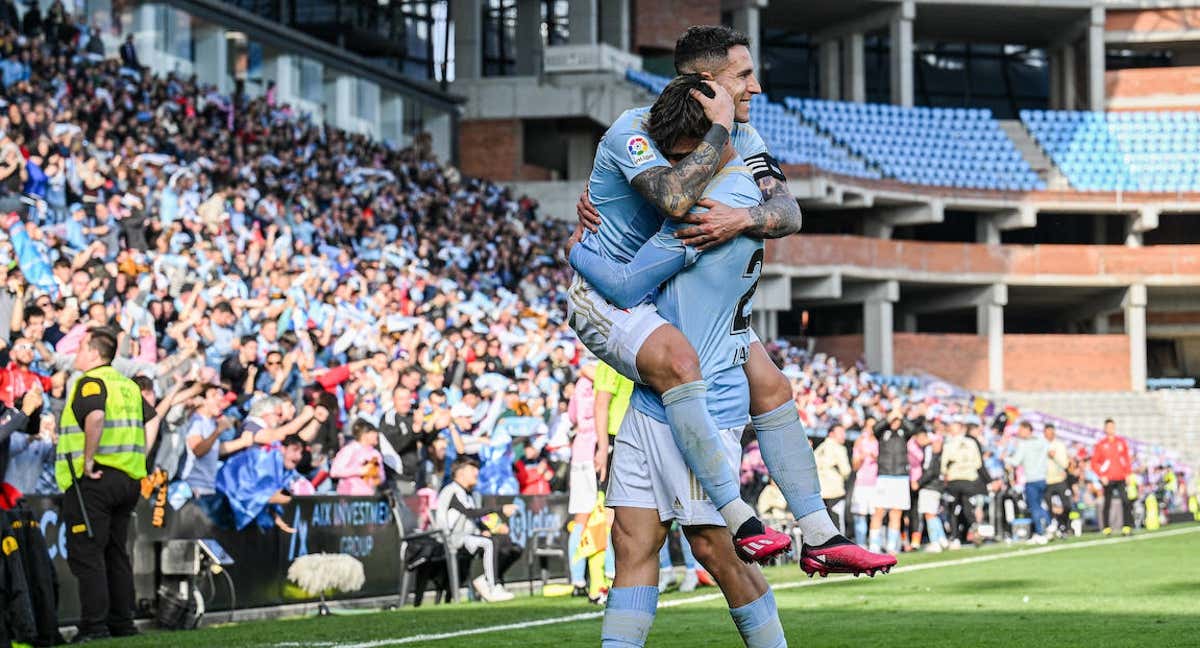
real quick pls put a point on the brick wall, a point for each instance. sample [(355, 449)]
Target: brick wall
[(1174, 88), (958, 358), (1151, 20), (490, 148), (657, 24), (494, 149), (1066, 362), (848, 349)]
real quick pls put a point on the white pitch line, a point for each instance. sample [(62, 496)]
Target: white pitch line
[(585, 616)]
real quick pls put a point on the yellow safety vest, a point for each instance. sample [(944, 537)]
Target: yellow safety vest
[(123, 440)]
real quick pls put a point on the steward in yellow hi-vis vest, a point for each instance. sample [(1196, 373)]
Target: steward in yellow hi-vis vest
[(100, 463)]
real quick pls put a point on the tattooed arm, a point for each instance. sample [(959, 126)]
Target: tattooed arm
[(674, 189), (776, 217), (779, 214)]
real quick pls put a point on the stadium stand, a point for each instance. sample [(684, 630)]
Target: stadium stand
[(946, 147), (1121, 151)]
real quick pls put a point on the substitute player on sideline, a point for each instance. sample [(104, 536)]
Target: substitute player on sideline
[(628, 172)]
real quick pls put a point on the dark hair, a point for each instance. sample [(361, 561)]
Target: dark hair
[(706, 45), (675, 115), (293, 440), (33, 311), (460, 462), (104, 342), (361, 427), (144, 383), (1049, 426), (1027, 425), (223, 307), (1108, 420), (247, 339)]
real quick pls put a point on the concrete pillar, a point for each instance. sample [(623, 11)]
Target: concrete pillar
[(441, 128), (831, 74), (1070, 81), (614, 23), (212, 57), (989, 318), (901, 31), (854, 68), (391, 117), (1095, 60), (987, 231), (1135, 328), (1099, 229), (877, 334), (581, 152), (1054, 68), (340, 97), (766, 323), (746, 19), (583, 16), (281, 69), (876, 227), (1133, 236), (468, 38), (529, 37)]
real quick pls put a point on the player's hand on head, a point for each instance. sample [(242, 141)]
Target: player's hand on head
[(721, 223), (719, 107)]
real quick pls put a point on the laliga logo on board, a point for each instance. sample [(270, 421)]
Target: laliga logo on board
[(639, 150)]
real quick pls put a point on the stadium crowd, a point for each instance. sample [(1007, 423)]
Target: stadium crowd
[(339, 314)]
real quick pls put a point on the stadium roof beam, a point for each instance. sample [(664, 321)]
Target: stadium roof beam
[(962, 298), (881, 223)]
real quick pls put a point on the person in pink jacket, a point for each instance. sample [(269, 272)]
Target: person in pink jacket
[(358, 466), (583, 487)]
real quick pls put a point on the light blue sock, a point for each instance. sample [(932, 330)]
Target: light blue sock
[(696, 436), (790, 460), (873, 537), (936, 533), (860, 530), (578, 563), (893, 540), (689, 558), (628, 616), (664, 555), (758, 623)]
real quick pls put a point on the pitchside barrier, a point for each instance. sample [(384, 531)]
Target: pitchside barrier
[(364, 527)]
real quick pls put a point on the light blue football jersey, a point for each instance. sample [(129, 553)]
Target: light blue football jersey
[(625, 151), (710, 302)]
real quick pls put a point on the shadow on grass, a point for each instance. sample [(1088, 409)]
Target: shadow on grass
[(696, 627)]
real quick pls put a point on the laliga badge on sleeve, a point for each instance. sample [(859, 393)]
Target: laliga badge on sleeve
[(639, 150)]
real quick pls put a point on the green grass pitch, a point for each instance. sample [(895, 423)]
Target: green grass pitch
[(1086, 592)]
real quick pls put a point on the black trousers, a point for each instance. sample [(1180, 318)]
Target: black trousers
[(101, 563), (1062, 492), (962, 512), (1115, 490)]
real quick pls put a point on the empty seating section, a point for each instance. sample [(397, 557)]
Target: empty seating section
[(1121, 151), (790, 141), (946, 147), (794, 142)]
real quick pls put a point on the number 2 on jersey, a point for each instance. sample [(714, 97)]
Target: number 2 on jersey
[(741, 316)]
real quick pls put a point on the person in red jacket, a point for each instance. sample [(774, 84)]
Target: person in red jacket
[(1110, 461)]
